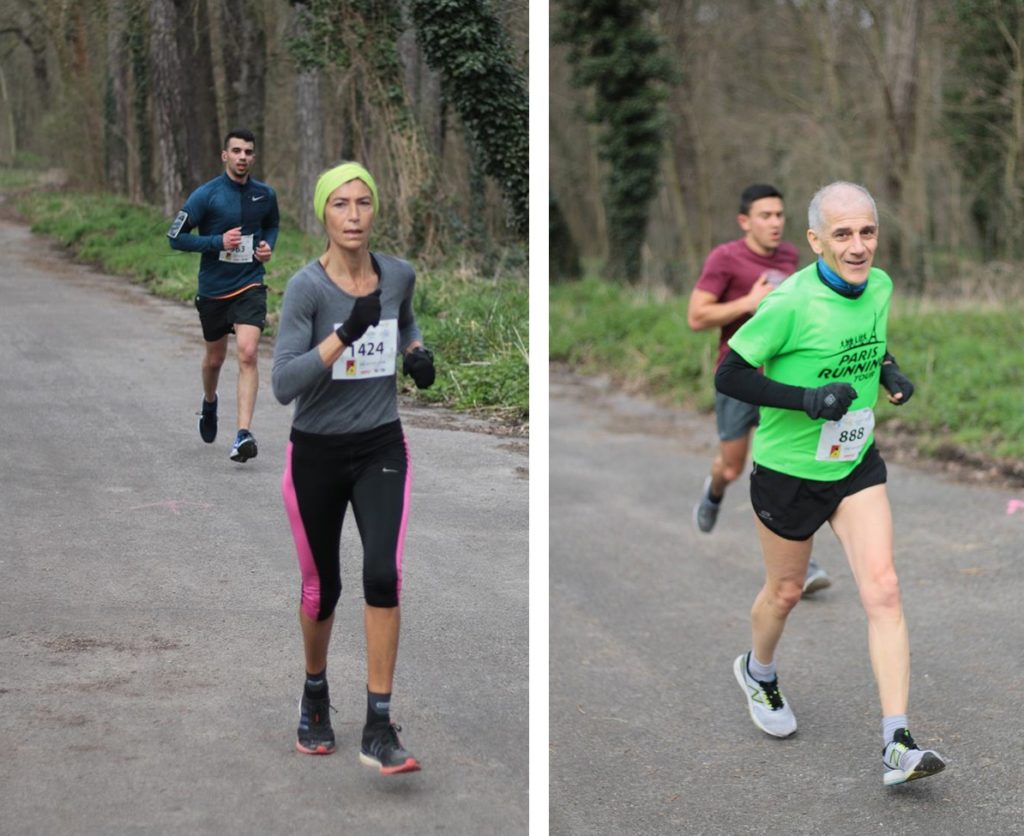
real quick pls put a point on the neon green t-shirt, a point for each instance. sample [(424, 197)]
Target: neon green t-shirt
[(806, 334)]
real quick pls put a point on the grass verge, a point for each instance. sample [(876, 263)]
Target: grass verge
[(964, 359), (477, 327)]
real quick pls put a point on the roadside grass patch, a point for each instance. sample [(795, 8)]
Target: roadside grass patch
[(964, 359), (478, 328)]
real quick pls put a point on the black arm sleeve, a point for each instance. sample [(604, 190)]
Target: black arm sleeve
[(738, 379)]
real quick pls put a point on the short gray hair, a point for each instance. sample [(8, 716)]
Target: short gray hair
[(815, 215)]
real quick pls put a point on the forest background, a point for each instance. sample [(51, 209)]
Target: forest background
[(662, 112), (113, 111)]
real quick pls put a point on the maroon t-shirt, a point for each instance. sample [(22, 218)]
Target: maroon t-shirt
[(731, 270)]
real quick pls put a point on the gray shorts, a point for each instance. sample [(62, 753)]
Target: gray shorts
[(734, 418)]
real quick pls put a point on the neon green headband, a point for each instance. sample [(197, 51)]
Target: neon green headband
[(337, 176)]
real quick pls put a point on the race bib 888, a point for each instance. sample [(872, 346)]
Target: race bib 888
[(842, 440)]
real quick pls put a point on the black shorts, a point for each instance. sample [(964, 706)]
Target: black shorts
[(220, 316), (796, 508)]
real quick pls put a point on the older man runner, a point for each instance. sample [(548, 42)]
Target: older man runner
[(821, 338)]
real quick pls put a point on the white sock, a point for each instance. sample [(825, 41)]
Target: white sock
[(760, 672)]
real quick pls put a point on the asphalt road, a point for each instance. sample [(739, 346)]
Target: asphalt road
[(649, 731), (150, 659)]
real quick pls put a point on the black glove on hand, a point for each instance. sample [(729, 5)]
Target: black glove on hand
[(419, 365), (829, 401), (365, 312), (895, 381)]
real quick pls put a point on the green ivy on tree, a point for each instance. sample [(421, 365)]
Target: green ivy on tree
[(613, 50), (464, 42)]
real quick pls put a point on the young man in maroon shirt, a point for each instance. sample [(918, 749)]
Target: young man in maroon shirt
[(737, 275)]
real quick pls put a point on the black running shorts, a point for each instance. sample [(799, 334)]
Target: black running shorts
[(796, 508), (220, 316)]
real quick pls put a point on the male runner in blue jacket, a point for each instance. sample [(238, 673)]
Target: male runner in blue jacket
[(237, 221)]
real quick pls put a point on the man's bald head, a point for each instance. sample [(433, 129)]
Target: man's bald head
[(840, 194)]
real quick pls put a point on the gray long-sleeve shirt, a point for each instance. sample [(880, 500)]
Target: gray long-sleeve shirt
[(328, 400)]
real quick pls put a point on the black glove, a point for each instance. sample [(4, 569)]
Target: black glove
[(829, 401), (895, 381), (365, 312), (419, 365)]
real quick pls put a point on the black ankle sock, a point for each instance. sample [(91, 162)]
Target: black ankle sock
[(378, 708), (316, 685)]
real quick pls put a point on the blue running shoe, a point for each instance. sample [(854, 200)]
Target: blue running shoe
[(208, 420), (245, 447)]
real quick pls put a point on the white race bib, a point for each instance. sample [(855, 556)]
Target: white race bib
[(242, 254), (372, 355), (842, 440)]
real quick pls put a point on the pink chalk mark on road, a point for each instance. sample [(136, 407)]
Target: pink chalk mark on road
[(1014, 505), (175, 506)]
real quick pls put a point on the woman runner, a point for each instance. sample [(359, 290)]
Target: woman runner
[(345, 317)]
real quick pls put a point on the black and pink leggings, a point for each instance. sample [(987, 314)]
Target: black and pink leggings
[(322, 474)]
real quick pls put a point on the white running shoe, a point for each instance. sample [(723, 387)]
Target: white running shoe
[(768, 709), (905, 762)]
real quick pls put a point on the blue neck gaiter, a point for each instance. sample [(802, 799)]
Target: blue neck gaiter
[(838, 283)]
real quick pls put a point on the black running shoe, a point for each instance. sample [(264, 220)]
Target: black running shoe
[(245, 447), (316, 737), (381, 748), (208, 421)]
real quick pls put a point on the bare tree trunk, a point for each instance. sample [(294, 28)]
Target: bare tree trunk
[(893, 52), (1014, 136), (424, 86), (168, 107), (116, 109), (687, 252), (217, 62), (202, 140), (8, 142), (310, 159), (311, 146), (245, 80), (140, 126)]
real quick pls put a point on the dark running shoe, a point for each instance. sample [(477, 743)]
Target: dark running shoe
[(245, 447), (316, 737), (705, 512), (208, 421), (816, 578), (381, 748), (905, 762)]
